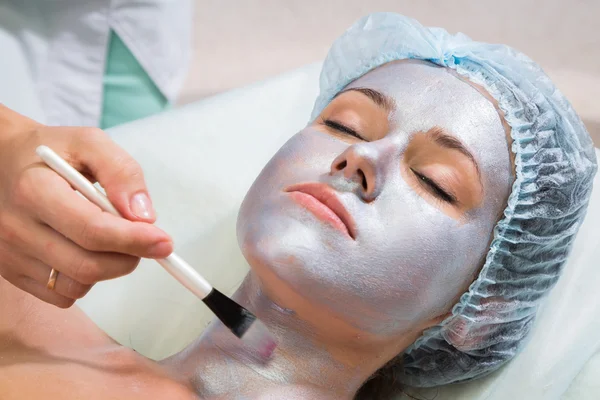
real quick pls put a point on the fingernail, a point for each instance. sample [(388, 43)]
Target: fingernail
[(161, 249), (141, 206)]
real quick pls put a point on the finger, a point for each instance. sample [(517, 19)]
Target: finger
[(40, 291), (65, 286), (118, 173), (86, 267), (56, 204)]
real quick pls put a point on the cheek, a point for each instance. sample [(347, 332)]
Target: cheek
[(305, 157), (453, 256), (422, 260)]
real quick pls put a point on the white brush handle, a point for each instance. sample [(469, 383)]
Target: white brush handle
[(174, 264)]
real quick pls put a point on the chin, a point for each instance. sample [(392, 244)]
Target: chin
[(280, 247)]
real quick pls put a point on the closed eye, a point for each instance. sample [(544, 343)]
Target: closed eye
[(342, 128), (434, 188)]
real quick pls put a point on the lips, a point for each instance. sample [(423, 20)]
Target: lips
[(323, 202)]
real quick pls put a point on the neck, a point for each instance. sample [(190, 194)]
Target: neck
[(218, 365)]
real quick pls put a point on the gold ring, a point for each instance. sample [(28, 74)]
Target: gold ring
[(52, 279)]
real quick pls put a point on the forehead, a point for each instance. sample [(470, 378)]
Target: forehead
[(427, 95)]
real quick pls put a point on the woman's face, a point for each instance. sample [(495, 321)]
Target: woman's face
[(381, 211)]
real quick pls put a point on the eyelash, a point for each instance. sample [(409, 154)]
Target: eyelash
[(435, 189), (342, 128), (431, 185)]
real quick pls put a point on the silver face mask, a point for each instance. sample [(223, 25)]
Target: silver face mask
[(403, 259)]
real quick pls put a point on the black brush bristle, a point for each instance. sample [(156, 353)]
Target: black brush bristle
[(233, 316)]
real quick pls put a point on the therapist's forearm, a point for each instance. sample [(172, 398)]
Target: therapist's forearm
[(13, 123)]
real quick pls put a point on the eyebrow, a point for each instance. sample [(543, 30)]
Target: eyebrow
[(377, 97), (444, 139)]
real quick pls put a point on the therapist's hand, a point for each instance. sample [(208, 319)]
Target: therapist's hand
[(45, 224)]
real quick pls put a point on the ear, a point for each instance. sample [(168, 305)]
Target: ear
[(438, 320), (433, 322), (466, 334)]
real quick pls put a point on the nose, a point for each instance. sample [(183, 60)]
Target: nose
[(359, 163)]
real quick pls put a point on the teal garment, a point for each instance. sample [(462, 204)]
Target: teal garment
[(129, 93)]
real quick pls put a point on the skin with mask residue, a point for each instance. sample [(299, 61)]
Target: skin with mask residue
[(368, 224), (423, 210), (362, 231)]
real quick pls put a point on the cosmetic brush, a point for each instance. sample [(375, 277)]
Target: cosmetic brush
[(241, 322)]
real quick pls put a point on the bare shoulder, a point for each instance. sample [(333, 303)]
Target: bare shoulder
[(92, 373), (99, 375), (32, 322), (51, 353)]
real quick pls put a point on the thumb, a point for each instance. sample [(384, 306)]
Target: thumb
[(118, 173)]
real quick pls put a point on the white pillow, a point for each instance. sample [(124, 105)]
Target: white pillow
[(200, 160)]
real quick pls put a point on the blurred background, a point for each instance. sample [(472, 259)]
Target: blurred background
[(239, 42)]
